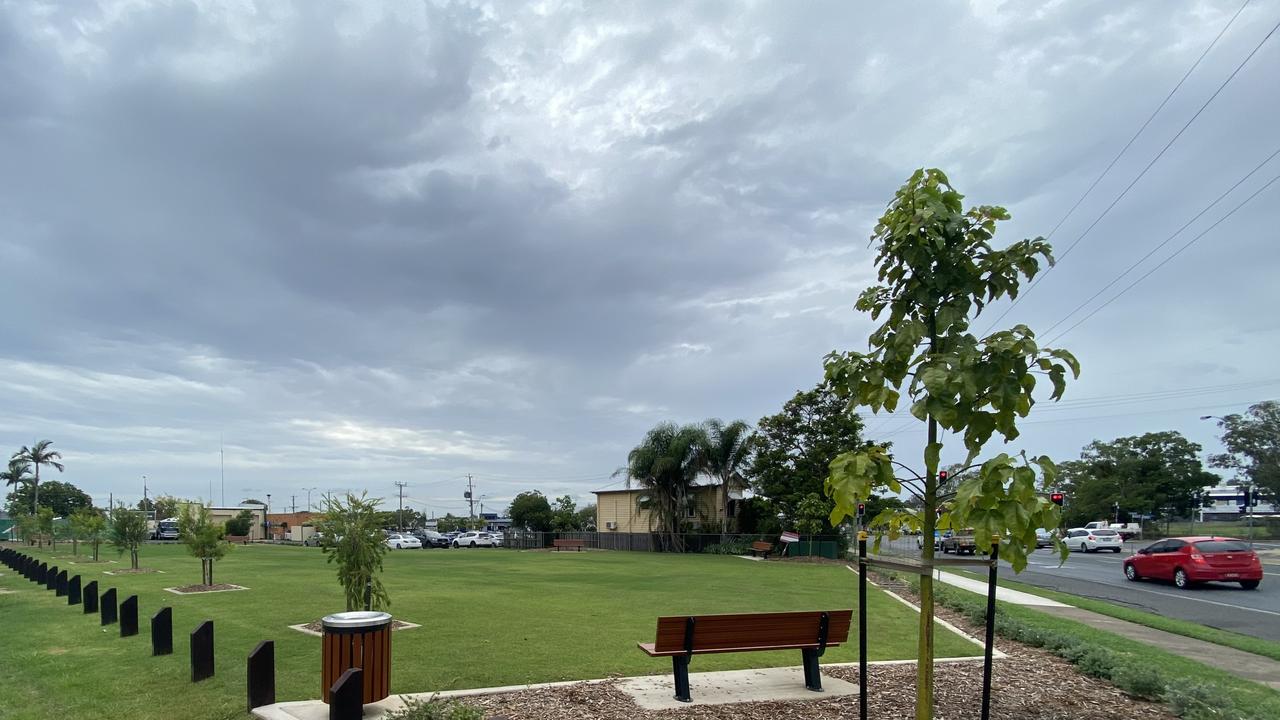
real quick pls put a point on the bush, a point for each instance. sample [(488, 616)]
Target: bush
[(1198, 701), (1139, 681), (240, 524), (1096, 661), (733, 547), (433, 709)]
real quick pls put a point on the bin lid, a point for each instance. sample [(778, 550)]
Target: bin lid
[(358, 619)]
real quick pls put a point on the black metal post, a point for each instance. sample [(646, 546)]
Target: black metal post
[(162, 632), (368, 594), (262, 675), (107, 607), (51, 578), (202, 652), (680, 669), (346, 697), (129, 616), (91, 597), (991, 627), (73, 591), (862, 624)]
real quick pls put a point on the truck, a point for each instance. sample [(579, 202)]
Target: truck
[(959, 543), (166, 529), (1127, 531)]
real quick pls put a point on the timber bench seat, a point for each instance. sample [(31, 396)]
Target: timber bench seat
[(811, 632), (242, 539), (762, 548), (566, 544)]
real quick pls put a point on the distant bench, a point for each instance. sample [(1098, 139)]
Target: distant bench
[(761, 548), (565, 544), (242, 539), (812, 632)]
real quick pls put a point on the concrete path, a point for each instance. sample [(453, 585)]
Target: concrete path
[(1242, 664), (654, 692)]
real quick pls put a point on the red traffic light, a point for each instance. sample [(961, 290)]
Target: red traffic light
[(862, 508), (942, 475), (1056, 498)]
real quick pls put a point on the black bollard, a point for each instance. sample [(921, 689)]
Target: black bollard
[(41, 572), (73, 591), (107, 607), (60, 584), (162, 632), (51, 578), (91, 597), (346, 697), (129, 616), (202, 651), (262, 675)]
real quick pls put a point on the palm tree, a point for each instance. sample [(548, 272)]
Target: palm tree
[(725, 455), (665, 464), (37, 455), (18, 474)]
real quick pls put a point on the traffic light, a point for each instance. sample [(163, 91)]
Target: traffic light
[(942, 476), (1057, 498), (862, 509)]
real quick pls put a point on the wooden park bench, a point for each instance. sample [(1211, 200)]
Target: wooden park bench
[(761, 548), (575, 544), (241, 539), (812, 632)]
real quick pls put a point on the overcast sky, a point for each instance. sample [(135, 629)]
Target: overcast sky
[(408, 241)]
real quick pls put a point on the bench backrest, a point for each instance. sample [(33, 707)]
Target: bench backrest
[(761, 545), (752, 630)]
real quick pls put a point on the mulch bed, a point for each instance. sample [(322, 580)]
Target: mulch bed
[(131, 571), (195, 589)]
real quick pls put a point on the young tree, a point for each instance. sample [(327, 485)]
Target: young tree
[(1253, 446), (78, 522), (938, 271), (37, 455), (531, 511), (93, 529), (665, 465), (203, 538), (44, 525), (725, 458), (127, 530), (353, 540)]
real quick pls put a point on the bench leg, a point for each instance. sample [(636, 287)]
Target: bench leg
[(680, 664), (812, 676)]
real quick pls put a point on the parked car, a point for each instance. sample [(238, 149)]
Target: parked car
[(431, 538), (1088, 541), (473, 539), (397, 541), (1044, 538), (1126, 530), (960, 543), (1190, 560), (497, 538)]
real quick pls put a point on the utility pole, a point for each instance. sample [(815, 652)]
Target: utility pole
[(401, 485), (222, 468), (471, 500), (293, 503)]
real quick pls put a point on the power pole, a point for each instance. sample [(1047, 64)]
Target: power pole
[(293, 503), (401, 485), (222, 469), (471, 497)]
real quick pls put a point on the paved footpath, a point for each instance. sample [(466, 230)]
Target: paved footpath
[(1242, 664)]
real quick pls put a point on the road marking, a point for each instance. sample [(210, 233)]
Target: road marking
[(1211, 602)]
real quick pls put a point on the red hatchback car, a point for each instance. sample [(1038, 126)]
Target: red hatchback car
[(1189, 560)]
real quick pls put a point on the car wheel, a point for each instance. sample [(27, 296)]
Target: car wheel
[(1115, 550), (1084, 548), (1131, 572), (473, 543), (455, 544), (1250, 584), (1180, 578)]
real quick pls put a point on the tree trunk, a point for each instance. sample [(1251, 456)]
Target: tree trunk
[(35, 488), (133, 558), (924, 645), (211, 571), (95, 551)]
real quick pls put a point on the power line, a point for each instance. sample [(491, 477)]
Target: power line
[(1162, 263), (1135, 180), (1164, 242)]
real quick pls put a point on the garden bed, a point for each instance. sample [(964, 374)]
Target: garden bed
[(198, 589), (131, 571)]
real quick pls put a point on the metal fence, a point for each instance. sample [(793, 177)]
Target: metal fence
[(657, 542)]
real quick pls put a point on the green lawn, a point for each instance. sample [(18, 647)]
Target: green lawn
[(489, 617)]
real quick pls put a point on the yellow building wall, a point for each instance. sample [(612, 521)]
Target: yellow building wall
[(620, 508)]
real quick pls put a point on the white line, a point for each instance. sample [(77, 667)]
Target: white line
[(1211, 602)]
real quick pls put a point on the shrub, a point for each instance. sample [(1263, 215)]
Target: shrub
[(433, 709), (733, 547), (1198, 701), (1096, 661), (1139, 681)]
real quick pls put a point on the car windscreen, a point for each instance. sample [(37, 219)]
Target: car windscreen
[(1104, 533), (1218, 546)]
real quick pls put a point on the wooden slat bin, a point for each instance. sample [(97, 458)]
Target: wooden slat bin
[(357, 639)]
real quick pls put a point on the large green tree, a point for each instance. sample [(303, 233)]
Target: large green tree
[(530, 510), (17, 476), (793, 449), (63, 498), (1253, 446), (937, 271), (1144, 474), (39, 455), (725, 457), (564, 515), (665, 465)]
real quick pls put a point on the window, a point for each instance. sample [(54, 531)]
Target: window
[(732, 510), (1217, 546), (1105, 533), (1170, 546)]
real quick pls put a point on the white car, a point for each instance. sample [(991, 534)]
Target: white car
[(497, 539), (403, 542), (1094, 540), (473, 539)]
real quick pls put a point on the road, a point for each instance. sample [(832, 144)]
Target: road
[(1220, 605)]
